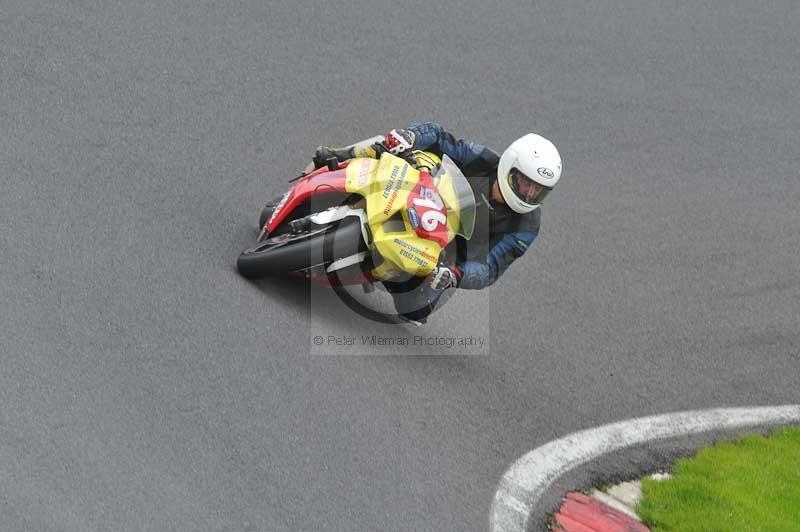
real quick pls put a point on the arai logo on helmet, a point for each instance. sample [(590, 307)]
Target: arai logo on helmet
[(413, 217), (546, 172)]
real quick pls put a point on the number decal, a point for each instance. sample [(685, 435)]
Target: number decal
[(427, 212), (430, 201), (432, 216), (432, 219)]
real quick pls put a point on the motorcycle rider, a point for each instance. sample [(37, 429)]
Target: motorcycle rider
[(508, 189)]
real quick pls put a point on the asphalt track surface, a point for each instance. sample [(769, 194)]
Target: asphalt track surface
[(145, 386)]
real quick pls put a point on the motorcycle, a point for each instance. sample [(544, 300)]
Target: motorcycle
[(364, 220)]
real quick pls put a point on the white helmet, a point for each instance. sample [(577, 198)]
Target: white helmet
[(528, 171)]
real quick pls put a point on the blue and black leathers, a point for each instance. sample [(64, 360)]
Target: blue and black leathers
[(501, 235)]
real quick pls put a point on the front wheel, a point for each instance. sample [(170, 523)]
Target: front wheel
[(293, 251)]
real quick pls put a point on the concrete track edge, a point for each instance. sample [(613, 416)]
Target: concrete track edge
[(524, 483)]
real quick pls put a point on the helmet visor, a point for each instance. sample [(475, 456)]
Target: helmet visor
[(526, 188)]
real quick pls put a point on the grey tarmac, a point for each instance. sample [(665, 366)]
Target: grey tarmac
[(145, 386)]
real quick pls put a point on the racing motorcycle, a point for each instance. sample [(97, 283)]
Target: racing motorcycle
[(364, 220)]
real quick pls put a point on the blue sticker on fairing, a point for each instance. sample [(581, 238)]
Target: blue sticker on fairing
[(413, 217)]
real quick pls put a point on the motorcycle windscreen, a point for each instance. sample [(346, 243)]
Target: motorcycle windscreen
[(458, 197)]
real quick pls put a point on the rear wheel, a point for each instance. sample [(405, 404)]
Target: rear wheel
[(293, 251)]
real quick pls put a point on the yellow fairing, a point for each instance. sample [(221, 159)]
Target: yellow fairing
[(386, 184)]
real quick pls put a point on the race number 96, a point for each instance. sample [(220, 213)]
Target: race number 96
[(427, 212)]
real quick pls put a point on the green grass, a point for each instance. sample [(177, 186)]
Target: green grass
[(751, 484)]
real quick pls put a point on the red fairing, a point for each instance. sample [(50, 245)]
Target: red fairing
[(426, 211), (320, 180)]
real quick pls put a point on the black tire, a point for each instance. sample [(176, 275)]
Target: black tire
[(291, 252)]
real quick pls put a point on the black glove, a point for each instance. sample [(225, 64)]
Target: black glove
[(324, 153)]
